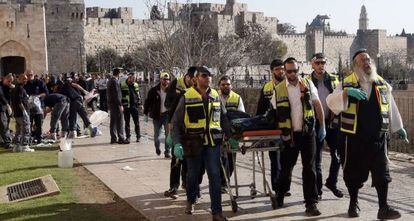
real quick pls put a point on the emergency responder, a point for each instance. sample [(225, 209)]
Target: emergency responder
[(198, 126), (58, 105), (131, 101), (20, 107), (154, 107), (175, 91), (368, 114), (232, 102), (116, 109), (326, 83), (6, 112), (267, 101), (36, 88), (296, 102)]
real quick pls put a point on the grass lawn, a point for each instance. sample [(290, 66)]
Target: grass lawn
[(82, 197)]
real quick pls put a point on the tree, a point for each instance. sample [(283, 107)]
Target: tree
[(108, 58), (286, 29)]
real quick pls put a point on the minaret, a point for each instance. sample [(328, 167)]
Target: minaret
[(229, 8), (363, 19)]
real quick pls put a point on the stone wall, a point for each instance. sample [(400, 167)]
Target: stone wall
[(123, 35), (339, 46), (296, 46), (65, 36), (23, 34), (393, 47)]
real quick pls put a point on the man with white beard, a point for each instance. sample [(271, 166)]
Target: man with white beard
[(368, 114)]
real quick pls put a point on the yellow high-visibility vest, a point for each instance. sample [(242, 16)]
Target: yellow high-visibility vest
[(349, 117), (233, 101), (198, 121)]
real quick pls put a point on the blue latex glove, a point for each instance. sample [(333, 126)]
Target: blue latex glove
[(403, 135), (146, 118), (234, 144), (178, 151), (357, 93), (169, 140), (321, 133)]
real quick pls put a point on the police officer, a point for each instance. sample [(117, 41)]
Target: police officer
[(131, 100), (175, 91), (6, 86), (326, 83), (368, 114), (71, 91), (36, 88), (232, 102), (267, 101), (58, 105), (296, 102), (116, 109), (197, 132)]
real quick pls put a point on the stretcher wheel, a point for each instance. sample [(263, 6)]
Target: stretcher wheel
[(274, 202), (234, 206)]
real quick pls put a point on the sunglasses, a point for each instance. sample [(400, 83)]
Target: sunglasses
[(320, 62), (292, 71)]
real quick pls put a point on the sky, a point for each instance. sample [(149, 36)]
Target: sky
[(383, 14)]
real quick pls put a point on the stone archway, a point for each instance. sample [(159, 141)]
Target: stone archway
[(14, 57)]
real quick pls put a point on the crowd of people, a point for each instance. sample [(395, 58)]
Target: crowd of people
[(354, 115)]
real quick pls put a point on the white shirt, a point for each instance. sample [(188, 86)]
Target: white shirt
[(296, 109), (101, 83), (337, 104), (163, 95)]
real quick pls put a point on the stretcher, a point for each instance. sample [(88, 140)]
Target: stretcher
[(256, 142)]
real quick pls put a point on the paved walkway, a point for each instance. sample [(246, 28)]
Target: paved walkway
[(143, 187)]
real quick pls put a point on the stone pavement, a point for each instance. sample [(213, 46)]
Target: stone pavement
[(143, 187)]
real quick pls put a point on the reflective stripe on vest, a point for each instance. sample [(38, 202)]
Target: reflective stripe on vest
[(269, 89), (195, 117), (283, 108), (232, 102), (180, 87), (125, 91), (349, 117)]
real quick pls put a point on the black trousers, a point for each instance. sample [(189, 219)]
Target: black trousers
[(4, 128), (76, 108), (116, 124), (131, 112), (361, 156), (36, 122), (306, 145), (275, 169), (178, 168), (103, 104)]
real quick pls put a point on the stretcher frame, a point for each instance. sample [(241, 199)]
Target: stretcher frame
[(256, 144)]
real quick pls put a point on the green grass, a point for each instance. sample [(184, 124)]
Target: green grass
[(16, 167)]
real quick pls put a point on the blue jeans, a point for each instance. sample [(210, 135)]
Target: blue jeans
[(211, 158), (158, 123)]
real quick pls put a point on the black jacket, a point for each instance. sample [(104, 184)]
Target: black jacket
[(152, 105), (113, 92)]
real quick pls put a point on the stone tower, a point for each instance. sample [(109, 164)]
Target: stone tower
[(363, 19), (22, 36), (65, 21)]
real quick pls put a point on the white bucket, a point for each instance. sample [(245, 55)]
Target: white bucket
[(65, 159)]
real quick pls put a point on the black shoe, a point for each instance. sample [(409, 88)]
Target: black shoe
[(123, 142), (167, 155), (189, 209), (138, 139), (288, 194), (320, 197), (172, 193), (127, 140), (353, 210), (312, 210), (113, 141), (158, 151), (335, 191), (387, 212), (279, 200)]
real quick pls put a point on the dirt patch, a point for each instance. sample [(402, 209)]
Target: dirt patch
[(92, 191)]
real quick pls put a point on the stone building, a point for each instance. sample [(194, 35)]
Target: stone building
[(56, 35), (45, 36)]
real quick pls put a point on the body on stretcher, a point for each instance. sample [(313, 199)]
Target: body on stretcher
[(256, 142)]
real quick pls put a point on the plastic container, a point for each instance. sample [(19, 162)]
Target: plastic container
[(65, 159)]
